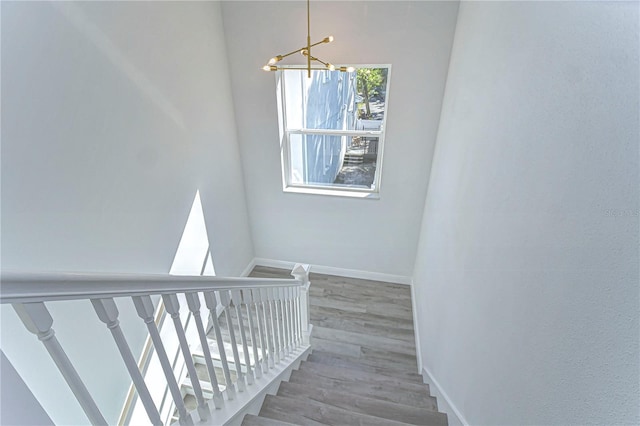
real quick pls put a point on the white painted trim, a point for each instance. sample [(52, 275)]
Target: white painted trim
[(334, 192), (246, 271), (40, 287), (285, 143), (445, 405), (341, 272), (251, 399), (255, 405), (416, 326)]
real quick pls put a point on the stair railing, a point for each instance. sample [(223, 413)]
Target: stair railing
[(277, 318)]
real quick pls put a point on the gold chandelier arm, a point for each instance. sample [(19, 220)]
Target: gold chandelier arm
[(324, 40), (308, 22), (326, 64), (274, 68), (281, 57), (308, 40), (306, 51)]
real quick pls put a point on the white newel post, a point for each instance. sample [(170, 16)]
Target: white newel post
[(37, 319), (107, 312), (301, 272)]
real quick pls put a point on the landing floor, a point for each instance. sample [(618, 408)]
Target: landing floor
[(368, 320)]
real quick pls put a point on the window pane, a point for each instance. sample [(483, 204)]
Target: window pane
[(334, 100), (294, 87), (333, 160), (359, 165), (371, 97), (315, 159)]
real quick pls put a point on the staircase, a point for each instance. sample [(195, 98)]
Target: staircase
[(194, 377), (354, 158), (362, 368), (257, 357)]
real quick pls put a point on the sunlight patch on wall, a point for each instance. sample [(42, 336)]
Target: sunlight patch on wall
[(193, 256)]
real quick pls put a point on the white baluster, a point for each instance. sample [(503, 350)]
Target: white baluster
[(252, 330), (283, 323), (144, 307), (277, 324), (212, 304), (298, 315), (37, 319), (291, 318), (268, 325), (172, 305), (274, 325), (285, 320), (237, 301), (294, 311), (107, 312), (301, 272), (193, 301), (261, 328), (224, 298), (294, 338)]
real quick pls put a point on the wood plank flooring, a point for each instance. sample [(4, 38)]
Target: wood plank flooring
[(363, 369), (368, 320)]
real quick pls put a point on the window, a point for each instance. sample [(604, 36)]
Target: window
[(332, 129)]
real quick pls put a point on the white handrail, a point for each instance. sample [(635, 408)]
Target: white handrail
[(29, 293), (30, 287)]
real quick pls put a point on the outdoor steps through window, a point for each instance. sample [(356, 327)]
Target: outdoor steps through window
[(353, 158)]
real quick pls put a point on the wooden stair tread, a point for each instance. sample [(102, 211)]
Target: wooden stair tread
[(363, 368), (251, 420), (272, 410), (344, 374), (345, 361), (363, 405), (376, 391), (321, 413)]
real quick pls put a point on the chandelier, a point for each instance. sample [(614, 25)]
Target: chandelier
[(306, 51)]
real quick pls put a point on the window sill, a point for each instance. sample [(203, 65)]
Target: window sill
[(332, 192)]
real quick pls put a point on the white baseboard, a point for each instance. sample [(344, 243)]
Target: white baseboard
[(249, 268), (416, 326), (342, 272), (445, 405)]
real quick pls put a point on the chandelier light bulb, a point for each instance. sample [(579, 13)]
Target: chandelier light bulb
[(328, 39), (331, 67), (273, 60), (347, 69), (269, 68)]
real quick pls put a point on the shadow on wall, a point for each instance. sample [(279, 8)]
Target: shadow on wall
[(102, 42)]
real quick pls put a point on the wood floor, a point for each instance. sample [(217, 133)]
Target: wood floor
[(368, 320), (363, 367)]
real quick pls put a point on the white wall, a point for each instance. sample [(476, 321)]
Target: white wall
[(113, 115), (368, 235), (18, 406), (527, 268)]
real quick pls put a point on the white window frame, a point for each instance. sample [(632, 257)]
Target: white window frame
[(329, 189)]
